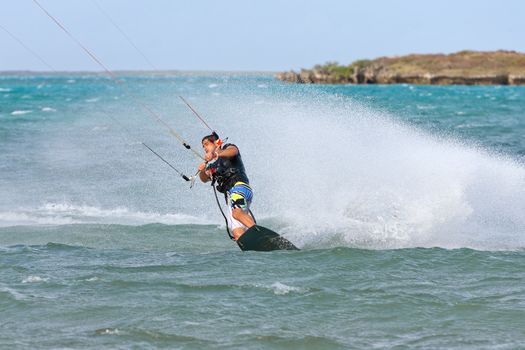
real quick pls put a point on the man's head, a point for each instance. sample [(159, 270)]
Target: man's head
[(209, 143)]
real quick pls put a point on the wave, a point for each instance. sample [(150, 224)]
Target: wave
[(21, 112), (66, 214), (12, 293), (279, 288), (34, 279)]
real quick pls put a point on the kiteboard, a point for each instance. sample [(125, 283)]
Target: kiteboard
[(262, 239)]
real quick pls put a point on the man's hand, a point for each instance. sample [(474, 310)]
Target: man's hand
[(203, 174), (211, 167)]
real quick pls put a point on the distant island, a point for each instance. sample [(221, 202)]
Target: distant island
[(461, 68)]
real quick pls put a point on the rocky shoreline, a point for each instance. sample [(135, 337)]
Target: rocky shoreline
[(461, 68)]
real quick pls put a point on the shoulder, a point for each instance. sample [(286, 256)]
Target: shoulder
[(230, 150), (229, 145)]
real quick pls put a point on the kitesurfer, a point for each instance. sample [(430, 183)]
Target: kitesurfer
[(223, 165)]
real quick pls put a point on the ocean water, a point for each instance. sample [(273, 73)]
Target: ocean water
[(408, 203)]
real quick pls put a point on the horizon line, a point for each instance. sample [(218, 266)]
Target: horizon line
[(121, 71)]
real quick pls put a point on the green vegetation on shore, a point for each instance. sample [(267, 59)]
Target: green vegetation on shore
[(464, 67)]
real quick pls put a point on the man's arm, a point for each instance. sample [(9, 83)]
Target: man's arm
[(202, 174), (230, 151)]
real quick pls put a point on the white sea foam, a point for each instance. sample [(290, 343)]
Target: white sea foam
[(48, 109), (65, 213), (425, 107), (21, 112), (5, 90), (108, 331), (348, 175), (34, 279), (282, 289), (211, 86), (27, 217)]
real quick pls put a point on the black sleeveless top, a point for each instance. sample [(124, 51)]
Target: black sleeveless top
[(229, 171)]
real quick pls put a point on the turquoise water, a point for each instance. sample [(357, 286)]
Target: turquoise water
[(408, 203)]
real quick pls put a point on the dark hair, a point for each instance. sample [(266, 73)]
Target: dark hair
[(211, 138)]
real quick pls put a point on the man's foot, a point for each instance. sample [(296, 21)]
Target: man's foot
[(238, 232)]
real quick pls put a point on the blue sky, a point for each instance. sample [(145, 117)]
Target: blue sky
[(253, 35)]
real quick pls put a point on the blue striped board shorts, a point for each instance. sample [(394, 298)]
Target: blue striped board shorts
[(239, 196)]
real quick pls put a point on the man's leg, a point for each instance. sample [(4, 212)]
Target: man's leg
[(240, 198), (244, 218)]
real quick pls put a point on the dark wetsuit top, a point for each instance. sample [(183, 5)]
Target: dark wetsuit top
[(229, 170)]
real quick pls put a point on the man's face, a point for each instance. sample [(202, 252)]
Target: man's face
[(209, 147)]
